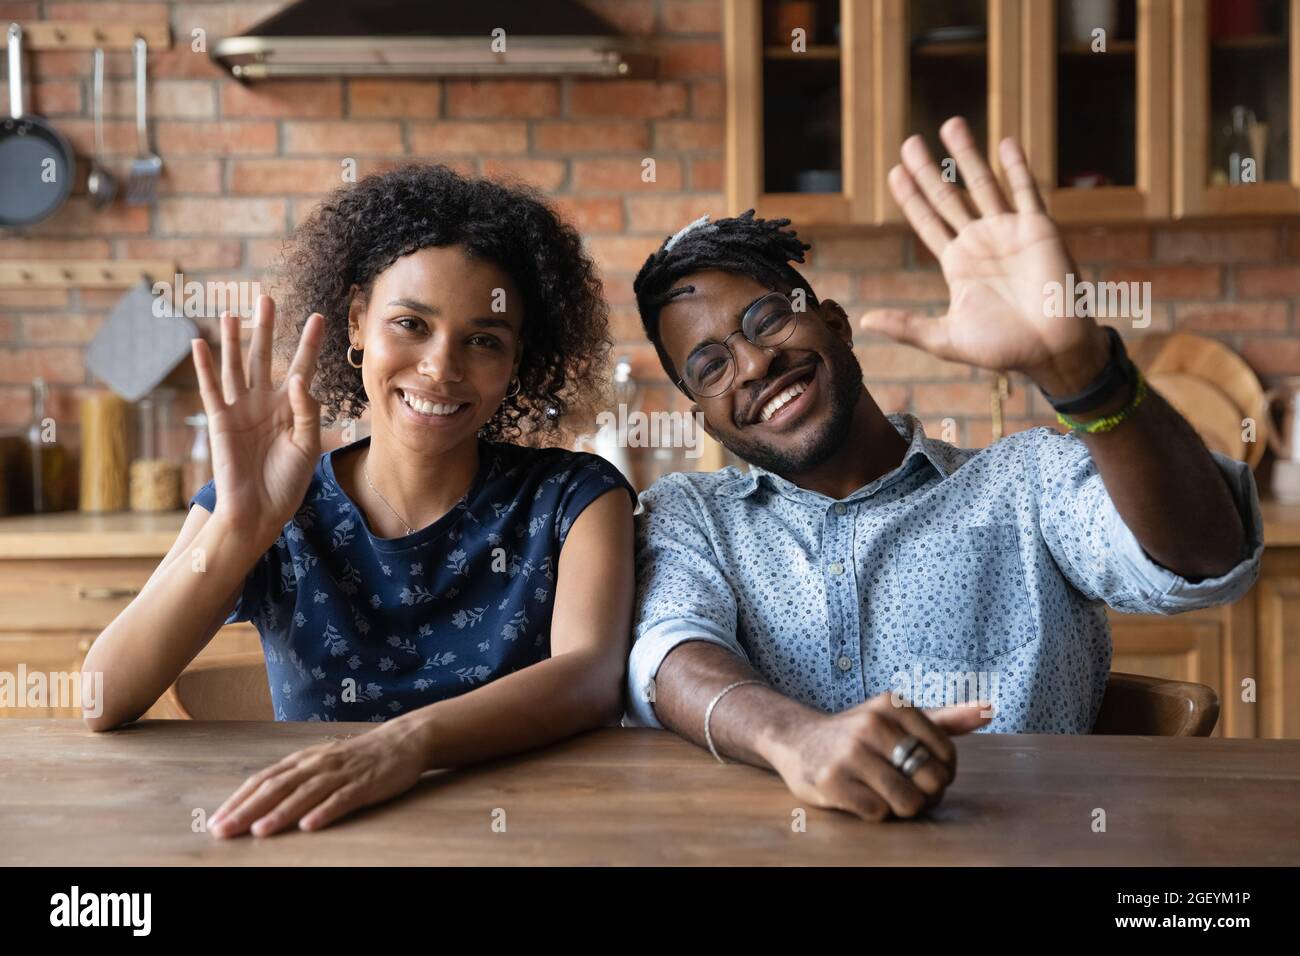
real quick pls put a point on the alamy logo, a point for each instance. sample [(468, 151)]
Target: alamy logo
[(103, 909)]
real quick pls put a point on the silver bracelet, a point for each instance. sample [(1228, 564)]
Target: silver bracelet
[(708, 737)]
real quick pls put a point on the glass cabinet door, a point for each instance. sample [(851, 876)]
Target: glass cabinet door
[(1097, 100), (936, 60), (1236, 83), (796, 104)]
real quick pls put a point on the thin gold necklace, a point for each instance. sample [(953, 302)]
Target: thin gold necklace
[(365, 470)]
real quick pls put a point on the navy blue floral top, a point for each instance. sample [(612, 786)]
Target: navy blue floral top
[(357, 627)]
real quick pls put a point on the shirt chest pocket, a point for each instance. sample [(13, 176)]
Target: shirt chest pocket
[(961, 594)]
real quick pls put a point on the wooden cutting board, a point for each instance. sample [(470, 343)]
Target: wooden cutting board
[(1211, 412), (1214, 364)]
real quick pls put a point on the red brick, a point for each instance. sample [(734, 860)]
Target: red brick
[(623, 175), (188, 254), (168, 100), (1172, 282), (305, 99), (264, 253), (590, 216), (58, 97), (105, 12), (634, 17), (119, 136), (78, 218), (964, 398), (464, 138), (276, 177), (187, 177), (556, 136), (707, 174), (221, 217), (394, 99), (57, 365), (342, 138), (622, 254), (626, 99), (667, 214), (1217, 244), (891, 398), (707, 100), (1232, 317), (30, 248), (904, 286), (546, 174), (502, 99), (1261, 281), (224, 138), (690, 57), (1090, 244), (33, 298), (692, 16), (687, 134), (61, 329), (876, 251), (1272, 356), (19, 10), (890, 361)]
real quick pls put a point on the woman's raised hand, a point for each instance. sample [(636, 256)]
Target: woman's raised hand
[(265, 440)]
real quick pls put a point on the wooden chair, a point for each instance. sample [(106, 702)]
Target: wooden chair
[(1156, 707), (230, 687), (234, 687)]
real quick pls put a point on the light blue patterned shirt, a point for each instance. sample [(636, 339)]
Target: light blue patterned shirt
[(962, 574)]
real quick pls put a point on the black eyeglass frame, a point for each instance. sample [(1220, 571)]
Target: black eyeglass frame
[(755, 310)]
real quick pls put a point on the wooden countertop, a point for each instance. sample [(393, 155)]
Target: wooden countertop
[(626, 796), (74, 535)]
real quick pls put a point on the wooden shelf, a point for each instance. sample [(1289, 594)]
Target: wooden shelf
[(815, 52), (89, 34), (950, 48), (82, 273), (1262, 41)]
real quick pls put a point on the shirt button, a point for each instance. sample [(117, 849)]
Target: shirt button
[(840, 509), (844, 663), (836, 568)]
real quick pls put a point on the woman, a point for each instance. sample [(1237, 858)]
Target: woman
[(470, 595)]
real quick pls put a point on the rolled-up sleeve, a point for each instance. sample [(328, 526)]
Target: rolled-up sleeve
[(1100, 555), (682, 593)]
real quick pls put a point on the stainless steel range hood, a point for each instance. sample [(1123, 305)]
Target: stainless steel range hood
[(328, 38)]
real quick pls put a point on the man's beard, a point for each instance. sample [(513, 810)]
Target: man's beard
[(844, 378)]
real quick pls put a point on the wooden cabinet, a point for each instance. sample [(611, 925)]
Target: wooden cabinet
[(1225, 56), (63, 578), (1122, 120)]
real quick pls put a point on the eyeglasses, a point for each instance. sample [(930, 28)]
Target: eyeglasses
[(767, 323)]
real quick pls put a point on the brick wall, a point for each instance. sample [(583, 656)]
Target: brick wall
[(244, 164)]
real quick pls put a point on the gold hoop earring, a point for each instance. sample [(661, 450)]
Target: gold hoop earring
[(349, 357)]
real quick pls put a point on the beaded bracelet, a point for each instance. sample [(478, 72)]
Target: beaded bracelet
[(1107, 422)]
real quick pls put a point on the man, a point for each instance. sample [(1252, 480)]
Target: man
[(790, 615)]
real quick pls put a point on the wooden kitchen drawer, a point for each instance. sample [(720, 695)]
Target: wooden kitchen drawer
[(69, 594)]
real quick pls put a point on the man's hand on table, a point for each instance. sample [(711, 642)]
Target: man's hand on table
[(314, 787), (842, 761)]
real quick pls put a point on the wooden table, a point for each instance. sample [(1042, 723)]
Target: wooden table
[(622, 796)]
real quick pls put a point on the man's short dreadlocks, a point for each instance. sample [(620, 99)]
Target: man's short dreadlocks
[(761, 249)]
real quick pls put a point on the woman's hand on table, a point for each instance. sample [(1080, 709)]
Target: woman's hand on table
[(313, 788)]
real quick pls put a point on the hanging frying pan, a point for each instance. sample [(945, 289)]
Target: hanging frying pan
[(36, 162)]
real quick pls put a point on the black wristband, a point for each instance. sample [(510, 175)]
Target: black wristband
[(1117, 374)]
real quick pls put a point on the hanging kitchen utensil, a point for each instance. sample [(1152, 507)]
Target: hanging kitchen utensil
[(36, 161), (136, 349), (147, 167), (101, 184)]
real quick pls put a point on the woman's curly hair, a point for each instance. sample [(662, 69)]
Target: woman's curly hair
[(361, 229)]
